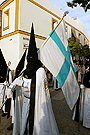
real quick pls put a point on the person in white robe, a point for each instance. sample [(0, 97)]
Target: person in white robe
[(7, 104), (33, 110), (1, 93), (56, 84), (86, 111), (3, 72), (6, 108), (84, 102), (44, 120)]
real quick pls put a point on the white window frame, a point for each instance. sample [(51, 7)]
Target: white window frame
[(6, 19)]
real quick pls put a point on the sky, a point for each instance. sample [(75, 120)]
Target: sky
[(75, 12)]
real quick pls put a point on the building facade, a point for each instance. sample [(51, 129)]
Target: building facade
[(16, 17)]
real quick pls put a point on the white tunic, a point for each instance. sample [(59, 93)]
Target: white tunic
[(84, 107), (1, 93), (44, 120), (86, 113), (56, 84), (3, 86)]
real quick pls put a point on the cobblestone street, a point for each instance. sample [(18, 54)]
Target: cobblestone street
[(62, 114)]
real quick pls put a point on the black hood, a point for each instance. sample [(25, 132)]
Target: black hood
[(32, 58), (3, 68)]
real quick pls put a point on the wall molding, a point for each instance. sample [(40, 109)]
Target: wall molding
[(32, 1), (22, 32), (6, 4), (35, 3)]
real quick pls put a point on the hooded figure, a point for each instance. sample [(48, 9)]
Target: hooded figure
[(3, 73), (32, 58), (86, 108), (83, 104), (86, 80), (20, 65), (33, 64), (33, 113), (3, 68)]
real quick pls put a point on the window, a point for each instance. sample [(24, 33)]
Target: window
[(87, 42), (71, 33), (54, 21), (66, 30), (79, 37), (6, 20), (84, 41), (0, 23)]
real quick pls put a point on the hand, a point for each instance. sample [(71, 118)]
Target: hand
[(6, 83), (18, 82), (82, 86)]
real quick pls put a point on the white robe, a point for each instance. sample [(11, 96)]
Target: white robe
[(44, 120), (86, 113), (56, 84), (1, 94), (2, 87), (21, 104), (84, 107)]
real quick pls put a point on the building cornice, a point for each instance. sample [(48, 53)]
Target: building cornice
[(5, 3), (22, 32), (32, 1)]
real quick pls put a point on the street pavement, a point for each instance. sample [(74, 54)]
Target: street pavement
[(62, 113)]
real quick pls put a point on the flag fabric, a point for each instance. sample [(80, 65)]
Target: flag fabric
[(55, 55)]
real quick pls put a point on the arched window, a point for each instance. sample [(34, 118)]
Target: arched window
[(54, 21)]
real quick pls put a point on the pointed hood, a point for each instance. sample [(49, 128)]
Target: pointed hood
[(32, 58), (3, 68), (20, 65)]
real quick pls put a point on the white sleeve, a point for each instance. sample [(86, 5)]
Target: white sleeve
[(10, 77), (17, 81), (9, 93)]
